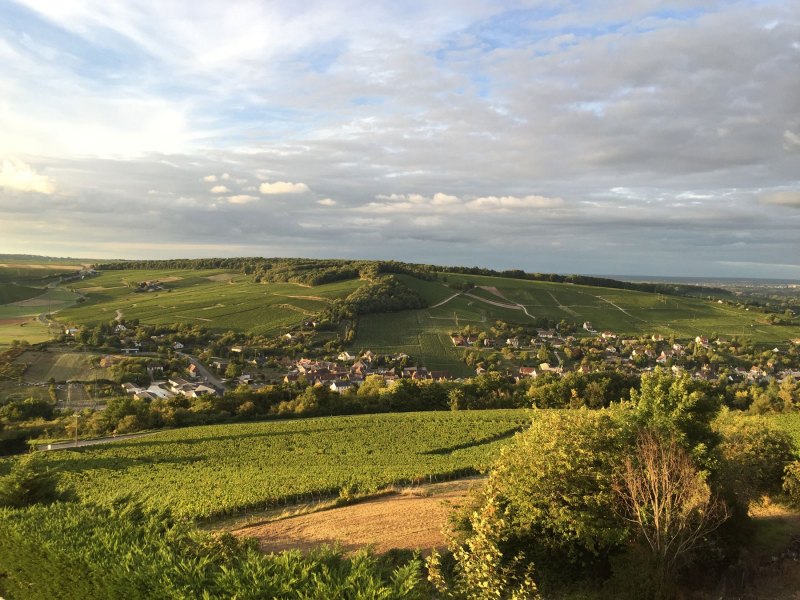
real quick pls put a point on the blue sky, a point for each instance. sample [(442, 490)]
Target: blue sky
[(588, 137)]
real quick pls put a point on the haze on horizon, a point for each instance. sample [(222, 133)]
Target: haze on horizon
[(581, 137)]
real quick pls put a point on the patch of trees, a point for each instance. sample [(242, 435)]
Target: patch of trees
[(384, 294), (636, 500)]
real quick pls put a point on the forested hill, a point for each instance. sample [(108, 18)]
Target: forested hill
[(308, 271)]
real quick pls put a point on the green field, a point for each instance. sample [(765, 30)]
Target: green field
[(224, 469), (424, 333), (19, 318), (218, 300)]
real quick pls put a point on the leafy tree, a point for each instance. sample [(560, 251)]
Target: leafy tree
[(669, 502)]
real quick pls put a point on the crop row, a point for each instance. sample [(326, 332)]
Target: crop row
[(215, 470)]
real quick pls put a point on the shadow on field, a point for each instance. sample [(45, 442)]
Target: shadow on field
[(474, 443), (77, 465), (219, 438)]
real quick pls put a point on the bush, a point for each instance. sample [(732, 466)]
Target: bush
[(791, 482), (752, 454)]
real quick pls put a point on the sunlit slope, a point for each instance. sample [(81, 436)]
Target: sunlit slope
[(219, 300)]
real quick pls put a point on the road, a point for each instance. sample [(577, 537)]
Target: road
[(93, 442), (204, 372)]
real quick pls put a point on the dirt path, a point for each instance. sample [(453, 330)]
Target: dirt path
[(411, 519), (445, 301), (619, 308)]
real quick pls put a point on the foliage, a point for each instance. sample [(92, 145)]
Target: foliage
[(677, 406), (73, 551), (669, 503), (555, 486), (29, 481), (753, 454), (480, 571), (791, 482)]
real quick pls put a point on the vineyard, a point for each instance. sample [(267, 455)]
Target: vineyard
[(215, 299), (224, 469)]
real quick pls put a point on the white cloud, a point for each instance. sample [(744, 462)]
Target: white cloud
[(17, 175), (242, 199), (283, 187), (791, 141), (514, 202), (210, 178), (219, 189), (782, 199), (225, 176), (327, 202), (441, 199)]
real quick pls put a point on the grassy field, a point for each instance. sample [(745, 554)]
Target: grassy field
[(424, 333), (224, 469), (19, 320), (221, 301)]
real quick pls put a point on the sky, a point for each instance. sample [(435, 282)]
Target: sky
[(620, 138)]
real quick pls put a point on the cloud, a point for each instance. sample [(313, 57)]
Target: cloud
[(210, 178), (283, 187), (440, 199), (327, 202), (219, 189), (791, 140), (16, 175), (782, 199), (242, 199), (514, 202)]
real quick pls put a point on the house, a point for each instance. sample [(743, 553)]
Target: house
[(368, 356), (237, 349), (193, 370), (71, 331), (341, 386), (527, 372), (587, 325), (513, 342), (458, 340), (154, 369), (546, 333), (119, 328), (608, 335), (178, 346), (130, 388), (130, 350), (345, 356), (657, 337), (480, 371), (702, 340), (440, 375)]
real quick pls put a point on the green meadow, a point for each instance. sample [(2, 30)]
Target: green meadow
[(219, 300)]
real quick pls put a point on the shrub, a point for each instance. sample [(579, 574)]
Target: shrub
[(752, 454)]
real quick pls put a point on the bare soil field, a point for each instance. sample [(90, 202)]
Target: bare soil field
[(413, 518)]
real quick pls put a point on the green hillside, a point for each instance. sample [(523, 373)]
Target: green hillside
[(425, 333), (219, 300)]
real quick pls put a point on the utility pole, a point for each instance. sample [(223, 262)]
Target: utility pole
[(76, 429)]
